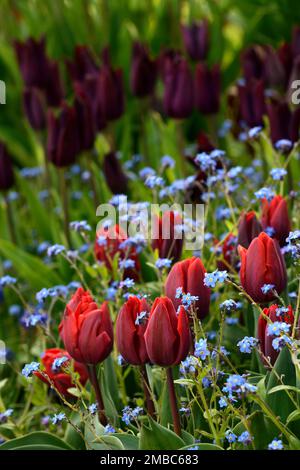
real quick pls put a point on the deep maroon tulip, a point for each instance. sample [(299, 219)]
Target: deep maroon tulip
[(63, 143), (296, 41), (130, 330), (207, 88), (166, 229), (294, 75), (196, 39), (91, 87), (227, 251), (86, 329), (61, 378), (167, 336), (275, 215), (111, 89), (252, 63), (6, 169), (34, 107), (274, 73), (178, 93), (262, 263), (265, 339), (82, 64), (251, 102), (165, 60), (85, 118), (115, 177), (54, 90), (286, 58), (189, 274), (249, 228), (143, 71), (284, 123)]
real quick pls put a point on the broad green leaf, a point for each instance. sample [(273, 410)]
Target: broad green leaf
[(158, 437), (36, 441)]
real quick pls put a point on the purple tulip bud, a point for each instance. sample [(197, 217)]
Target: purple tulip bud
[(284, 123), (196, 39), (178, 94), (82, 64), (114, 174), (6, 169), (207, 88), (143, 71), (296, 41), (85, 118), (252, 102), (35, 107), (111, 89)]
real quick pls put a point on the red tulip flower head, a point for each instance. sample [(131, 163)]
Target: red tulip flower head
[(86, 329), (166, 240), (130, 329), (262, 264), (275, 215), (167, 336), (189, 275), (55, 361), (249, 228)]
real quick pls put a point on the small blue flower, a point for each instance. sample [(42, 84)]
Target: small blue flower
[(211, 279), (228, 305), (265, 193), (93, 408), (278, 174), (58, 418), (126, 263), (247, 344), (80, 226), (7, 280), (283, 145), (266, 288), (254, 132), (278, 327), (189, 365), (201, 349), (185, 411), (127, 283), (55, 250), (5, 415), (15, 310), (167, 162), (141, 318), (223, 402), (281, 341), (163, 263), (28, 369), (230, 436), (109, 429), (245, 438), (179, 293), (276, 444), (58, 363)]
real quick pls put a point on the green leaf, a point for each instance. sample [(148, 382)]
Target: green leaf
[(129, 441), (29, 267), (158, 437), (97, 440), (36, 441), (204, 446), (283, 387)]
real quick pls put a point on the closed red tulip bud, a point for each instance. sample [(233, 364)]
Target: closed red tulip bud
[(249, 227), (207, 88), (82, 64), (115, 177), (275, 215), (178, 94), (109, 242), (262, 263), (86, 329), (189, 274), (130, 329), (265, 339), (252, 102), (227, 251), (35, 107), (6, 169), (111, 89), (196, 39), (166, 229), (63, 141), (143, 71), (167, 336), (61, 379)]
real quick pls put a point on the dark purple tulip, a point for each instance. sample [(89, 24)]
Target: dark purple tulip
[(207, 88), (54, 89), (284, 123), (196, 39), (82, 64), (111, 89), (294, 75), (62, 143), (286, 58), (296, 41), (251, 102), (6, 169), (165, 60), (32, 61), (85, 118), (178, 94), (143, 71), (35, 107), (252, 63), (114, 174), (92, 88), (274, 73)]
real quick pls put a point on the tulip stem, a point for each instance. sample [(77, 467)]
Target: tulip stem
[(173, 401), (65, 204), (147, 391), (10, 220), (95, 383)]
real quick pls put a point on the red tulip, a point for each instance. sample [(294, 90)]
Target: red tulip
[(189, 275), (86, 330), (265, 339), (167, 335), (249, 228), (164, 235), (228, 253), (62, 380), (262, 263), (130, 331), (275, 214), (109, 243)]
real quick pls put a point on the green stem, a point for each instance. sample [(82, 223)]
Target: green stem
[(65, 205), (92, 371), (173, 402), (147, 391), (10, 220)]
